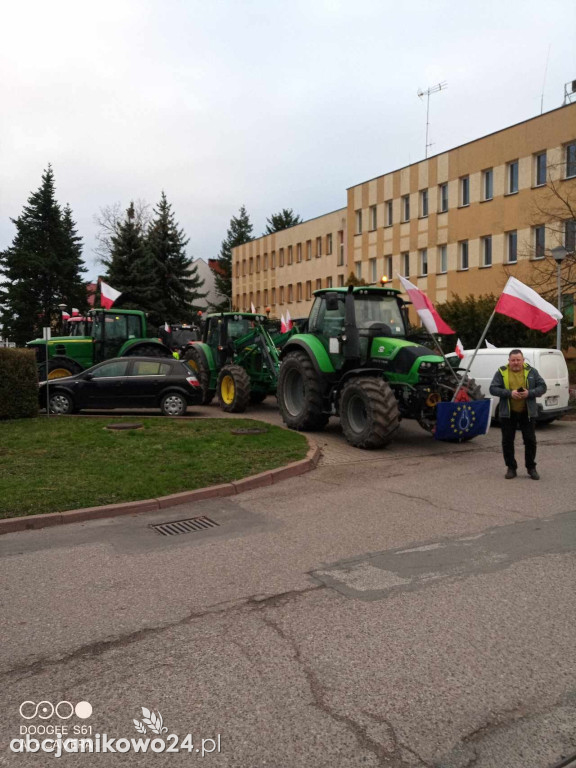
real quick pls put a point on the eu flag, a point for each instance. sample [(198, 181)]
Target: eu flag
[(462, 421)]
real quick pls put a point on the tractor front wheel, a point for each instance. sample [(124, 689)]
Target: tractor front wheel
[(196, 360), (233, 389), (368, 412), (299, 394)]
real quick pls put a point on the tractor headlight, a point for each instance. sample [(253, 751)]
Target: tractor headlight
[(425, 366), (442, 364)]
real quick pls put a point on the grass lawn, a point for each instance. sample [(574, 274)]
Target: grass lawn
[(54, 464)]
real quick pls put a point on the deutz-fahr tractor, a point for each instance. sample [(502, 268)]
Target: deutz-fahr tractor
[(237, 359), (101, 335), (356, 362)]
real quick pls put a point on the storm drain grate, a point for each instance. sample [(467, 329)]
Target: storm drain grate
[(185, 526)]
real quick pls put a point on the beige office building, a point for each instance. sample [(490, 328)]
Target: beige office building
[(457, 223)]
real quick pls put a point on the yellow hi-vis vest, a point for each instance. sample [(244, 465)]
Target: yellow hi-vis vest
[(505, 371)]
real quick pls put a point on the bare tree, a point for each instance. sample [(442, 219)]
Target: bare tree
[(110, 217)]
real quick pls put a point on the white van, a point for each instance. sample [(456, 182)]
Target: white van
[(549, 363)]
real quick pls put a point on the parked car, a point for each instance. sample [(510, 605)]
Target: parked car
[(549, 363), (126, 382)]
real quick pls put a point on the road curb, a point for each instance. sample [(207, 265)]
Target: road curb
[(270, 477)]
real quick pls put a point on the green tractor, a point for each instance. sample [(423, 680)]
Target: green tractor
[(237, 359), (100, 335), (356, 362)]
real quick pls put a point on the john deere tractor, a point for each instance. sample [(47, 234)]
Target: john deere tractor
[(237, 360), (356, 362), (101, 335)]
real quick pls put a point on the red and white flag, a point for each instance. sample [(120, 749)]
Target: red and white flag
[(108, 295), (166, 327), (431, 320), (75, 312), (459, 349), (283, 326), (490, 346), (252, 308), (65, 315), (522, 303), (289, 323)]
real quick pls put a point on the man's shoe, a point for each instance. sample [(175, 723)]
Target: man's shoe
[(533, 474), (511, 473)]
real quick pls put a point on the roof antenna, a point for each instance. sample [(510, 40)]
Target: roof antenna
[(427, 92)]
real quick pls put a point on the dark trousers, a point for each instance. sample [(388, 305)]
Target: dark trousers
[(528, 427)]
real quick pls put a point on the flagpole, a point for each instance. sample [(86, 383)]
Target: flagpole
[(439, 348), (484, 332)]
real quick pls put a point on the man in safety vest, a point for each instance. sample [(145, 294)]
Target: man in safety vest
[(518, 385)]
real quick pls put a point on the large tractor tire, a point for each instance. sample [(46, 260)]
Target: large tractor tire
[(233, 389), (148, 350), (58, 369), (299, 393), (368, 412), (196, 360)]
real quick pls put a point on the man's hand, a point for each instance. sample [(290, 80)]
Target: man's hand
[(519, 395)]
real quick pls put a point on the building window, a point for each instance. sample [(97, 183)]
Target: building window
[(443, 197), (308, 250), (540, 168), (358, 222), (487, 251), (373, 272), (328, 282), (389, 213), (442, 259), (512, 247), (298, 291), (290, 257), (373, 217), (298, 252), (273, 260), (570, 235), (318, 283), (290, 293), (273, 295), (424, 262), (539, 242), (340, 281), (281, 257), (308, 290), (571, 160), (281, 294), (251, 266), (265, 262), (464, 254), (465, 190), (359, 270), (424, 202), (329, 245), (513, 177), (406, 208), (406, 264), (341, 248), (318, 247), (488, 184), (265, 299), (388, 266), (258, 263), (243, 267)]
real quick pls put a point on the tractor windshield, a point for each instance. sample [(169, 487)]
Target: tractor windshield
[(372, 308)]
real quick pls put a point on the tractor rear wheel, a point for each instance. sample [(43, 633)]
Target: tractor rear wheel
[(233, 389), (299, 394), (368, 412), (196, 360), (58, 369)]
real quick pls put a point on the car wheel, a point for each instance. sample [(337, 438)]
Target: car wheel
[(173, 404), (61, 403)]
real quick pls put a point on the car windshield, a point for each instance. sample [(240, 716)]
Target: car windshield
[(379, 309)]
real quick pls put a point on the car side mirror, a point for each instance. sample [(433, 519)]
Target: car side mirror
[(89, 377)]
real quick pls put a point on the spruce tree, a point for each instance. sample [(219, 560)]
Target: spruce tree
[(278, 221), (43, 266), (179, 284), (239, 232)]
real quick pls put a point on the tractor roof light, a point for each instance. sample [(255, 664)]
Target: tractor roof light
[(384, 279)]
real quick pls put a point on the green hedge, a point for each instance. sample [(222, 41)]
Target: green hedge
[(18, 384)]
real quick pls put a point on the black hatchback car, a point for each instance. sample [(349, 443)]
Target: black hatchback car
[(126, 382)]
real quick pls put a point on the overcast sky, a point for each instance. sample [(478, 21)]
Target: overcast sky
[(266, 103)]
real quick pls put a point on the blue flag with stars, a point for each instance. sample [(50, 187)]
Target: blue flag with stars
[(461, 421)]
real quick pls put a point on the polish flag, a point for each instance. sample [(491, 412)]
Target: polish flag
[(283, 326), (166, 327), (459, 349), (252, 308), (108, 295), (431, 320), (65, 315), (522, 303), (75, 312), (289, 323), (490, 346)]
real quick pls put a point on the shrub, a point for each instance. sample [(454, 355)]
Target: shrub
[(18, 384)]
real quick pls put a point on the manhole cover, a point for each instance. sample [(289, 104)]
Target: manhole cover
[(185, 526), (249, 431), (123, 425)]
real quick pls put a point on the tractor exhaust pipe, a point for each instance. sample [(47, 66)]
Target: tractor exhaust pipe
[(352, 344)]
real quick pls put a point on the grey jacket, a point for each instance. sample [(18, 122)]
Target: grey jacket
[(535, 385)]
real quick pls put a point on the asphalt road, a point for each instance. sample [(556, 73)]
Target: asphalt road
[(406, 607)]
